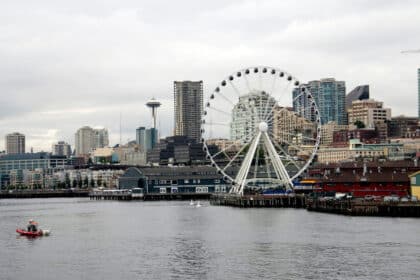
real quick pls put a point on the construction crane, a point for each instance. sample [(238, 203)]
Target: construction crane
[(411, 51)]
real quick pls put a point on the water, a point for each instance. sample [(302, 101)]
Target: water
[(172, 240)]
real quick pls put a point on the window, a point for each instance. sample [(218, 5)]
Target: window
[(413, 180)]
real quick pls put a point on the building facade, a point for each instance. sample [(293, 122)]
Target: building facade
[(61, 149), (246, 115), (188, 105), (15, 143), (146, 138), (418, 93), (87, 139), (358, 93), (330, 97)]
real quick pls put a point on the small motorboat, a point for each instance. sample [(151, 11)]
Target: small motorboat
[(198, 204), (191, 203), (41, 232)]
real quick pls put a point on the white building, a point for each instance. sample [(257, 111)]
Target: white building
[(248, 112), (369, 112), (87, 139), (61, 149)]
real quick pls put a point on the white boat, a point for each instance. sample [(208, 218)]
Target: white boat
[(192, 203), (198, 204)]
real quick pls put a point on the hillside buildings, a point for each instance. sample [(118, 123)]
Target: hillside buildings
[(188, 105), (358, 93), (146, 138), (15, 143)]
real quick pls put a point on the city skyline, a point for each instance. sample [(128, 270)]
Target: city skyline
[(93, 62)]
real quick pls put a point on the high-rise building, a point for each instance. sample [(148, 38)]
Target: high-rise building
[(358, 93), (87, 139), (418, 91), (101, 139), (247, 113), (146, 138), (188, 104), (372, 114), (15, 143), (61, 149), (330, 97)]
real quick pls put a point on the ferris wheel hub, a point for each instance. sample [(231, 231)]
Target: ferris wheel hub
[(263, 126)]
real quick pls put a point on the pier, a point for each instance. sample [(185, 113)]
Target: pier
[(258, 200), (43, 193), (129, 195), (360, 207)]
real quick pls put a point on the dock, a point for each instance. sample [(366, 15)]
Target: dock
[(259, 200), (360, 207), (43, 193), (125, 195)]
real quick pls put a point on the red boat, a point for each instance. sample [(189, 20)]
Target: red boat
[(29, 233)]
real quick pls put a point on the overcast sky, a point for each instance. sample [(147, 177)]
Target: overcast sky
[(66, 64)]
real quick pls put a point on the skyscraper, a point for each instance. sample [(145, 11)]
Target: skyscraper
[(188, 104), (61, 149), (330, 97), (146, 138), (15, 143), (87, 139), (418, 92), (247, 112)]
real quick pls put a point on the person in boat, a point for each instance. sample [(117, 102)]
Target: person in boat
[(32, 226)]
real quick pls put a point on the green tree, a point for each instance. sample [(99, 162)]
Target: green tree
[(67, 180), (80, 182), (359, 124), (74, 183), (86, 182), (92, 183)]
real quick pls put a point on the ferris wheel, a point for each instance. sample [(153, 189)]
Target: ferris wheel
[(248, 125)]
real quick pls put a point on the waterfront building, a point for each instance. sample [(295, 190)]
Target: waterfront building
[(15, 143), (357, 149), (330, 97), (246, 115), (165, 180), (178, 150), (146, 138), (361, 178), (188, 105), (14, 164), (87, 139), (415, 184), (403, 127), (358, 93), (61, 149)]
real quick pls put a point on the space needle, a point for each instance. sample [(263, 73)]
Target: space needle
[(154, 105)]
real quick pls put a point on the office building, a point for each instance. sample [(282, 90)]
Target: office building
[(146, 138), (247, 112), (87, 139), (330, 97), (188, 105), (418, 93), (15, 143), (61, 149), (369, 112), (403, 127), (358, 93)]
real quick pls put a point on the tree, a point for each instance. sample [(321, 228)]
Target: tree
[(86, 182), (74, 183), (67, 180), (80, 182), (92, 183), (359, 124)]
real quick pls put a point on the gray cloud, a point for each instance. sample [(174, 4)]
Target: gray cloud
[(69, 64)]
